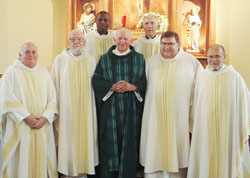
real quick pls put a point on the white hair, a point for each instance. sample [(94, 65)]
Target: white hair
[(126, 31), (75, 31), (150, 15)]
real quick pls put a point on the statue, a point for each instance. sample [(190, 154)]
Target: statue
[(87, 20), (140, 7), (192, 24)]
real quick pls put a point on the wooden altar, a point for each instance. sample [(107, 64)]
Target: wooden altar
[(174, 10)]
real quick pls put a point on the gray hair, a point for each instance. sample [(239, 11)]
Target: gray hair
[(75, 31), (125, 30), (150, 15)]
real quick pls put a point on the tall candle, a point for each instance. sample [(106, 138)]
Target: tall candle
[(124, 21)]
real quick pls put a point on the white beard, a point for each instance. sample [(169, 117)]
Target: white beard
[(77, 52), (215, 68)]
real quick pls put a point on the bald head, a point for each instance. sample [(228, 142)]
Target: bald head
[(122, 39), (215, 57), (23, 47), (28, 54), (123, 32), (216, 46)]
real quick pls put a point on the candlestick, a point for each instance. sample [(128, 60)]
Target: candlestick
[(124, 21)]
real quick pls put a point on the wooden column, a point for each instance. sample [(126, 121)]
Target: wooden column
[(212, 22), (79, 10), (174, 15), (71, 16), (104, 5)]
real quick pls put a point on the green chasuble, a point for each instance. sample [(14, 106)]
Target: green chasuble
[(119, 117)]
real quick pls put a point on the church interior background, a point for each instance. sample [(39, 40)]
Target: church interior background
[(47, 22), (176, 15)]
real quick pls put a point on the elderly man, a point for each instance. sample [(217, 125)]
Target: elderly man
[(149, 44), (77, 127), (27, 109), (221, 114), (99, 41), (119, 83), (164, 148)]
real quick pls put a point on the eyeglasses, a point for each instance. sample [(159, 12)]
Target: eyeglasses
[(214, 56), (74, 39), (169, 43)]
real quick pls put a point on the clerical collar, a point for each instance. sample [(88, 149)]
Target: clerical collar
[(221, 69), (80, 54), (150, 38), (20, 64), (116, 52), (180, 51), (103, 33)]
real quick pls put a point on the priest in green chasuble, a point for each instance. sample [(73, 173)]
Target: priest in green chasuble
[(221, 117), (171, 74), (119, 83)]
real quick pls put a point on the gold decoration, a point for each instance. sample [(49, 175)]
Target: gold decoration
[(88, 4), (162, 20)]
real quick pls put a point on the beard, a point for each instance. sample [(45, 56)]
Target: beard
[(77, 51), (215, 68)]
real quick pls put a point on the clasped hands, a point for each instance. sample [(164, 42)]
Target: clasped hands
[(123, 86), (35, 122)]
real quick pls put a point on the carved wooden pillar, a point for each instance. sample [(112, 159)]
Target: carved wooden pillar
[(71, 16), (174, 15), (79, 10), (104, 5), (212, 23)]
